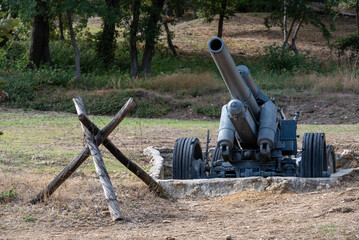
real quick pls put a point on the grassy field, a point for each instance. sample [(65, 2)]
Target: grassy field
[(45, 142)]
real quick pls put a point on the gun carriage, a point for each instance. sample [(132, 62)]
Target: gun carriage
[(254, 137)]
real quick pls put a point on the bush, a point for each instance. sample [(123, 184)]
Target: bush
[(349, 43), (279, 59), (210, 111)]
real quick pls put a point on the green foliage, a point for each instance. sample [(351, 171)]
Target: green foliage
[(210, 8), (297, 12), (14, 54), (210, 111), (279, 59), (348, 43), (8, 196), (30, 219), (7, 25), (244, 5)]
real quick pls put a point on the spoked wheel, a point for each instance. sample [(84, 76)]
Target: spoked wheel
[(313, 155), (187, 159), (329, 166)]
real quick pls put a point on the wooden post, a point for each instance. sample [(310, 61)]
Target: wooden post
[(100, 166), (139, 172), (82, 156)]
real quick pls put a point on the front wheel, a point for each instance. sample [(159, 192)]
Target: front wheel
[(187, 159)]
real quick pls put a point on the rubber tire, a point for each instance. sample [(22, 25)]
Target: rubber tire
[(318, 154), (186, 151), (305, 166), (329, 165), (216, 156)]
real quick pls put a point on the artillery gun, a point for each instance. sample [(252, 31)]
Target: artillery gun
[(254, 137)]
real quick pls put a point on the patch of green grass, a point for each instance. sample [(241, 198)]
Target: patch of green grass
[(8, 196), (329, 229), (30, 219)]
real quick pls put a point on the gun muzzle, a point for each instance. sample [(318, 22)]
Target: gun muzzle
[(232, 78)]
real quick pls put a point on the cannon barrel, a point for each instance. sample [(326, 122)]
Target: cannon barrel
[(232, 78)]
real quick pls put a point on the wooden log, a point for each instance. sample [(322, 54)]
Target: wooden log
[(84, 154), (133, 167), (100, 167)]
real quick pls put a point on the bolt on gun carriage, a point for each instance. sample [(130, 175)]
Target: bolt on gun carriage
[(254, 137)]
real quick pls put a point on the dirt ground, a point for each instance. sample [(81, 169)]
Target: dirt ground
[(318, 108), (330, 214), (78, 209)]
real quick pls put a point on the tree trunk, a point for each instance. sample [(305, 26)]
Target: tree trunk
[(357, 13), (133, 37), (179, 11), (74, 45), (147, 57), (61, 28), (151, 33), (295, 34), (221, 18), (169, 38), (39, 46), (285, 27), (285, 43), (107, 43)]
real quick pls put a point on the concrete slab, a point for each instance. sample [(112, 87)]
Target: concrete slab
[(224, 186)]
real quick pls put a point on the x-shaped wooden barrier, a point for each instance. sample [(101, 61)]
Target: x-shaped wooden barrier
[(95, 137)]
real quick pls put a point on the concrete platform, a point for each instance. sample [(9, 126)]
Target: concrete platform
[(226, 186), (161, 171)]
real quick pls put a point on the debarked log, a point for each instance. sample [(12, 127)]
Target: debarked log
[(84, 154), (100, 167), (133, 167)]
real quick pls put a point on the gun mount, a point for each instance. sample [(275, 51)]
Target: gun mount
[(254, 138)]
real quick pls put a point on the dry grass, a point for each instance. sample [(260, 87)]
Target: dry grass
[(345, 79), (185, 81)]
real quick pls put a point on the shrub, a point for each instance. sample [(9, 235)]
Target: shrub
[(210, 111), (348, 43), (279, 59)]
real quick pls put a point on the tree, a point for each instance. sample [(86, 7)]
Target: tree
[(151, 33), (296, 12), (166, 21), (106, 44), (357, 13), (350, 4), (61, 27), (39, 51), (133, 36), (223, 8), (74, 45)]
